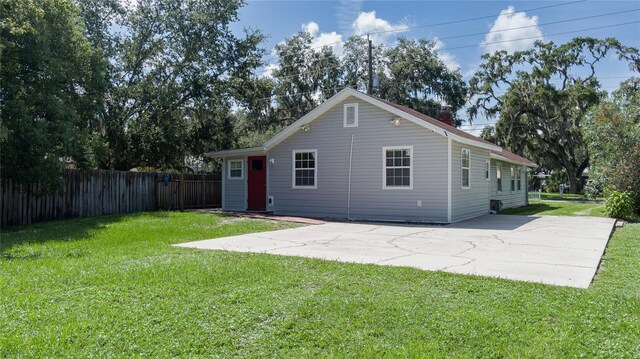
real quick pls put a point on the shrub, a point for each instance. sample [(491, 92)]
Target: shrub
[(619, 205)]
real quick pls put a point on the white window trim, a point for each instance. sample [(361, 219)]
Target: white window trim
[(384, 167), (229, 170), (344, 120), (293, 169), (463, 168), (487, 170), (519, 179), (512, 172), (499, 172)]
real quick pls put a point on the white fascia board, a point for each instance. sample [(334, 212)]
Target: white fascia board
[(236, 152), (508, 160), (312, 115), (344, 94), (466, 141)]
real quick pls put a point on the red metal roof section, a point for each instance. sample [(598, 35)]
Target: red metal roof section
[(504, 153)]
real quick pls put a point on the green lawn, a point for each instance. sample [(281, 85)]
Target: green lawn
[(559, 208), (565, 197), (113, 286)]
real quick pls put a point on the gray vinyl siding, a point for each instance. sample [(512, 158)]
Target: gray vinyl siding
[(234, 189), (509, 199), (473, 201), (368, 198)]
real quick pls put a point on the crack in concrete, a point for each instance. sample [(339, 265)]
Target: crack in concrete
[(471, 260), (396, 257)]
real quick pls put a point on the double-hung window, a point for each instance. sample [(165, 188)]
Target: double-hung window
[(513, 179), (305, 169), (397, 169), (487, 168), (235, 169), (350, 115), (519, 179), (499, 178), (465, 164)]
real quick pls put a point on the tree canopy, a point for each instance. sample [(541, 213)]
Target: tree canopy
[(547, 92), (53, 86)]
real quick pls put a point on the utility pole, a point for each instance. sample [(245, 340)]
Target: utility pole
[(370, 86)]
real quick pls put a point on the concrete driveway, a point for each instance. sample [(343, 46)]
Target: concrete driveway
[(553, 250)]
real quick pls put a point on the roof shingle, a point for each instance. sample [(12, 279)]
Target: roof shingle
[(504, 153)]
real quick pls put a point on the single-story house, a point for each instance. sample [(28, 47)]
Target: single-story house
[(359, 157)]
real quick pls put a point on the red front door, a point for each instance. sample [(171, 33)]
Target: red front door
[(257, 183)]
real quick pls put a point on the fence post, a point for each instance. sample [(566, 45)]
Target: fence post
[(181, 192)]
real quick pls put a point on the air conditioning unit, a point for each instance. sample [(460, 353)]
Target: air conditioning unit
[(495, 205)]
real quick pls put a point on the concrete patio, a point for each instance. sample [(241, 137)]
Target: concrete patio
[(552, 250)]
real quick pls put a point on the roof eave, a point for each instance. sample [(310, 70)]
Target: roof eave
[(236, 152), (508, 160)]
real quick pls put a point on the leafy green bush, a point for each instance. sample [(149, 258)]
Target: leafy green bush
[(619, 205)]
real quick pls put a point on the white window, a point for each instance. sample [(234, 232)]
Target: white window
[(397, 172), (513, 179), (305, 169), (236, 169), (499, 178), (350, 115), (465, 163), (487, 170), (519, 179)]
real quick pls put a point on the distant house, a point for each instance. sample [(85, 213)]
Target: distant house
[(359, 157)]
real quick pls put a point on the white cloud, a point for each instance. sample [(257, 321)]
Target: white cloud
[(508, 40), (268, 70), (320, 39), (368, 22), (449, 59)]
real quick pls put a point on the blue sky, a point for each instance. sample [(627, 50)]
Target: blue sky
[(331, 21)]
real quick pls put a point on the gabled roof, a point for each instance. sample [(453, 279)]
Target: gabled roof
[(434, 122), (507, 156), (401, 111), (398, 110)]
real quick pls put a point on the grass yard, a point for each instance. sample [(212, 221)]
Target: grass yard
[(113, 286), (565, 197), (559, 208)]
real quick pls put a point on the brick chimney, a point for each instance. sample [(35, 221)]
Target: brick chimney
[(446, 116)]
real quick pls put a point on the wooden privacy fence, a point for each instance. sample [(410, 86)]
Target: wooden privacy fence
[(174, 191), (98, 192)]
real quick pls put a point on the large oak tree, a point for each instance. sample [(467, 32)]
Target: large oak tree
[(541, 96)]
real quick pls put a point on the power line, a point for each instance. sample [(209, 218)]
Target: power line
[(497, 42), (450, 22), (496, 31), (476, 18), (544, 24), (542, 36)]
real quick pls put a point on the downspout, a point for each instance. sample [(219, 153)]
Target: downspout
[(448, 179), (349, 187)]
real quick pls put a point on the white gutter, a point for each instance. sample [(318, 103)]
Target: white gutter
[(508, 160), (239, 151)]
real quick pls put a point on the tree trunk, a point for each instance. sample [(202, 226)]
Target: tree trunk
[(573, 181)]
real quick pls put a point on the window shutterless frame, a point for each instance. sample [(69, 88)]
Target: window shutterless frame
[(394, 167), (487, 171), (513, 180), (499, 178), (294, 169), (353, 107), (465, 168), (233, 166)]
